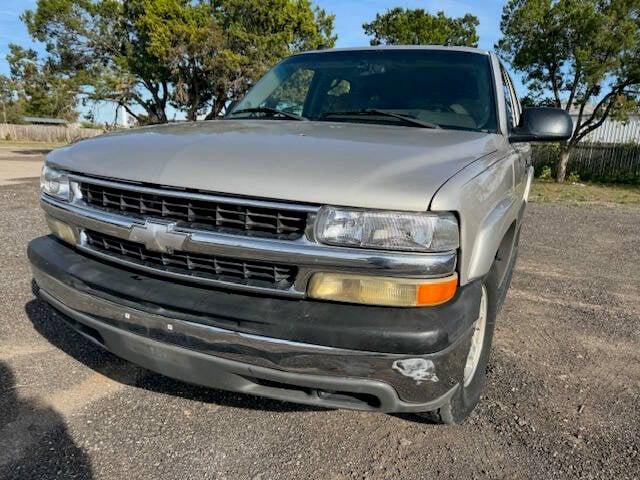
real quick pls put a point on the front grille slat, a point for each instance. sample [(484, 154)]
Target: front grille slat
[(197, 214), (259, 274)]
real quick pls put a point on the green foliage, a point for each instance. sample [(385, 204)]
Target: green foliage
[(419, 27), (35, 88), (195, 54), (591, 163), (545, 159), (101, 43), (545, 173), (11, 113), (189, 40), (575, 53), (573, 177), (214, 54), (11, 107)]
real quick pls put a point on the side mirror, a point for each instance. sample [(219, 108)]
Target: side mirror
[(542, 124)]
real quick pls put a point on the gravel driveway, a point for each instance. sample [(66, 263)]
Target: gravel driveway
[(562, 400)]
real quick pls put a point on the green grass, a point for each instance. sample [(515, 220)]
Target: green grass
[(584, 193)]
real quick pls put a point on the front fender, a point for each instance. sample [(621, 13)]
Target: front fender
[(489, 237), (488, 203)]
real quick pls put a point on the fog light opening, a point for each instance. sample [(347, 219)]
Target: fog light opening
[(62, 230)]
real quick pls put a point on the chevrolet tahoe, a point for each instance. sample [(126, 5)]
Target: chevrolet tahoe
[(344, 237)]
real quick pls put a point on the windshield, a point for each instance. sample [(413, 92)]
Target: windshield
[(448, 89)]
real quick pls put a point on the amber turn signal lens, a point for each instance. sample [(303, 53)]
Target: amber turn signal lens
[(437, 292), (386, 291)]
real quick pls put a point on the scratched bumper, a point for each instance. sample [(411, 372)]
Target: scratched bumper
[(227, 359)]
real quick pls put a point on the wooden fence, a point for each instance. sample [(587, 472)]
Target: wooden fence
[(619, 163), (45, 133)]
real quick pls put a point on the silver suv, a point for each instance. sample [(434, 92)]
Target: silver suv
[(344, 238)]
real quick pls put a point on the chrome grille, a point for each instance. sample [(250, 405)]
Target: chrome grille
[(258, 274), (195, 213)]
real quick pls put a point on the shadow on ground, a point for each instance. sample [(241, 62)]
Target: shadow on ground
[(34, 440), (33, 151), (50, 324)]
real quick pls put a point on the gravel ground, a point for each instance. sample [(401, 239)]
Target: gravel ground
[(562, 399)]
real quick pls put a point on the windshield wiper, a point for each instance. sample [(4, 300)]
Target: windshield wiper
[(408, 119), (269, 110)]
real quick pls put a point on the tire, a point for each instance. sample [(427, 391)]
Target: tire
[(469, 390)]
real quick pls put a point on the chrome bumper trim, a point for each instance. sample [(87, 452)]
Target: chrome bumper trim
[(259, 351), (306, 255)]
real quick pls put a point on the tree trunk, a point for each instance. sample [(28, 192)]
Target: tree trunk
[(218, 104), (192, 113), (162, 116), (156, 115), (215, 111), (562, 164)]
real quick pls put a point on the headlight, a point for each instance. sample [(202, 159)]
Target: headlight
[(55, 183), (414, 232)]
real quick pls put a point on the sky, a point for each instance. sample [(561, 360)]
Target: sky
[(12, 29), (350, 15)]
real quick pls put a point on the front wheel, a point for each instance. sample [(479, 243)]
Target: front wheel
[(473, 381)]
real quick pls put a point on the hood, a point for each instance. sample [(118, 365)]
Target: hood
[(348, 164)]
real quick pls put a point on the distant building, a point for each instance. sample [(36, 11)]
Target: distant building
[(45, 121), (611, 131)]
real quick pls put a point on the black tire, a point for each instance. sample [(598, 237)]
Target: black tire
[(465, 398)]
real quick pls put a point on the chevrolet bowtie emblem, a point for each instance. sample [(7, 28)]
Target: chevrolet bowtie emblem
[(157, 236)]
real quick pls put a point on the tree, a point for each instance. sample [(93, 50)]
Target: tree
[(195, 54), (418, 27), (262, 32), (99, 41), (576, 54), (35, 88), (214, 54), (11, 108)]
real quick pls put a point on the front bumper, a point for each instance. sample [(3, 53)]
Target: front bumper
[(120, 310)]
